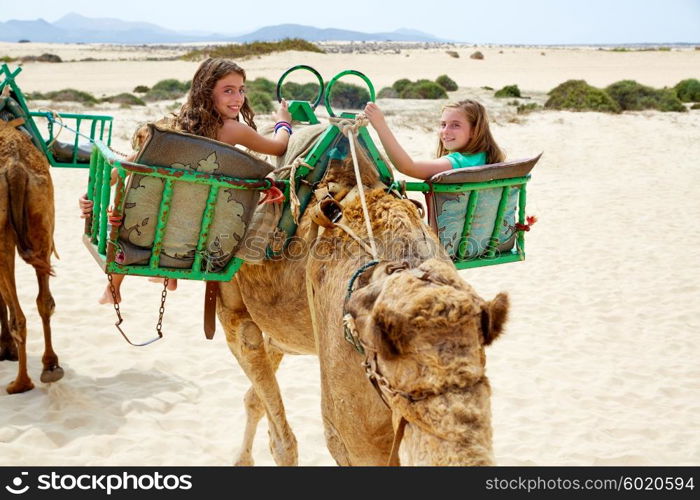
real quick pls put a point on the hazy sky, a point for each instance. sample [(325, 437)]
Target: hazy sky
[(483, 21)]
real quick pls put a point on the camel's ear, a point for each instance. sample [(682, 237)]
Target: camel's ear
[(493, 317)]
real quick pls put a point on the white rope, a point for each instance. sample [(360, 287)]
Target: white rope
[(350, 131), (293, 198)]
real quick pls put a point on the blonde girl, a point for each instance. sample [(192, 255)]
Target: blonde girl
[(464, 140)]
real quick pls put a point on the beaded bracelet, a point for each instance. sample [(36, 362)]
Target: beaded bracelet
[(285, 125)]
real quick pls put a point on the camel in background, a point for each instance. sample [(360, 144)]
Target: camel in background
[(27, 223), (423, 330)]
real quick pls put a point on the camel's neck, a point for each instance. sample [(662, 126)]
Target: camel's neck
[(399, 233)]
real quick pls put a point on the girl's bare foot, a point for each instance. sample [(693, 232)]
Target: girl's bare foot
[(172, 282), (107, 297), (117, 284)]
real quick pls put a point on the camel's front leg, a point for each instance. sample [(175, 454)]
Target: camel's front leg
[(245, 340), (254, 412)]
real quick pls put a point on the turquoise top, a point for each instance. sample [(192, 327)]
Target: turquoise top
[(461, 160)]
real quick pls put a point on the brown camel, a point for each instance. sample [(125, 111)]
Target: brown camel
[(27, 223), (422, 327)]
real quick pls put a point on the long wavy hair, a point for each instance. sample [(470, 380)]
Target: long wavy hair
[(481, 139), (198, 115)]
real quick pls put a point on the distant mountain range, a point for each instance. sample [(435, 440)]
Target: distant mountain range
[(74, 28)]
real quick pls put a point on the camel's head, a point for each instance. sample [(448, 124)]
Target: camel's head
[(424, 332)]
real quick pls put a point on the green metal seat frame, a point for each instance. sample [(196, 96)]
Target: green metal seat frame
[(101, 239), (90, 127), (491, 256)]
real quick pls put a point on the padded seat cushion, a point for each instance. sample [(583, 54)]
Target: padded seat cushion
[(63, 152)]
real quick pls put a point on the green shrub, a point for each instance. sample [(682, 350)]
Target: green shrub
[(140, 89), (688, 90), (126, 99), (387, 93), (52, 58), (577, 95), (527, 108), (172, 85), (400, 85), (633, 96), (300, 91), (243, 50), (261, 84), (348, 96), (477, 55), (446, 83), (167, 89), (261, 102), (71, 95), (423, 89), (508, 91), (695, 106), (453, 53), (6, 59)]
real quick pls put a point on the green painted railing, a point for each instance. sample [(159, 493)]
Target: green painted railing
[(89, 127), (102, 240)]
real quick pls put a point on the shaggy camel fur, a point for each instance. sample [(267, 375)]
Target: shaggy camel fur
[(27, 223), (427, 327)]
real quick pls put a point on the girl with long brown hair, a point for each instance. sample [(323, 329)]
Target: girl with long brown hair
[(215, 104)]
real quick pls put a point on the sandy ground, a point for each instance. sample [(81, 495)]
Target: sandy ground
[(598, 365)]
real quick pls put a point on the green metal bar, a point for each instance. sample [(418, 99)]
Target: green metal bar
[(231, 268), (109, 137), (328, 138), (166, 272), (194, 177), (482, 262), (97, 200), (465, 186), (522, 202), (468, 219), (73, 116), (93, 129), (207, 220), (75, 141), (104, 195), (493, 241), (163, 214), (366, 140)]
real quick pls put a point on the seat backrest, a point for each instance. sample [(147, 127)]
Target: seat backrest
[(447, 211)]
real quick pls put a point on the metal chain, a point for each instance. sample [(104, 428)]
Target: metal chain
[(161, 311), (117, 152), (114, 298)]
